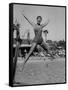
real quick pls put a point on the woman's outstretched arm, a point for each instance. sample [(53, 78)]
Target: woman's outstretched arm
[(46, 23), (28, 19)]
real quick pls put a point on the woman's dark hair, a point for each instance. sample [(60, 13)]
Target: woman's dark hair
[(39, 17)]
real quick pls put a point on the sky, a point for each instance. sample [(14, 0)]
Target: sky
[(56, 15)]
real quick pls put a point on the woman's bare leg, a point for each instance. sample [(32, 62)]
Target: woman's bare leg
[(45, 47), (28, 55), (40, 49)]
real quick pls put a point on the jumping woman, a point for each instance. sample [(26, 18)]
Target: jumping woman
[(38, 40)]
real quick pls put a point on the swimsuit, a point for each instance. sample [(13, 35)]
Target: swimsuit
[(38, 34)]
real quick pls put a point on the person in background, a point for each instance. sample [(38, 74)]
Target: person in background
[(28, 35), (45, 35)]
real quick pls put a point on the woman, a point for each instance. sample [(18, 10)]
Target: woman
[(38, 40)]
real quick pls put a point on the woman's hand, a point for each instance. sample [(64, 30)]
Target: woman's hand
[(23, 13), (46, 23), (27, 18)]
